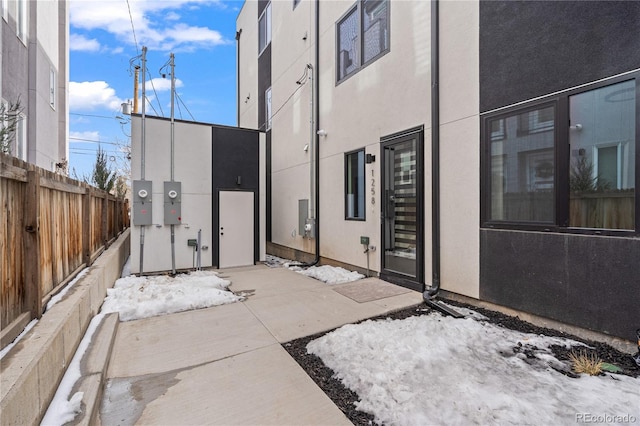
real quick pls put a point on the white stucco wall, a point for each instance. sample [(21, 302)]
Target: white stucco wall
[(247, 21), (193, 169), (385, 97), (460, 147)]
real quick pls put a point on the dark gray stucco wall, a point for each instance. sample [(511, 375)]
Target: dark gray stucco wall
[(588, 281), (533, 48), (236, 153), (530, 49)]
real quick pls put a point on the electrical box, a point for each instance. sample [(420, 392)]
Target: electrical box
[(303, 214), (310, 228), (142, 194), (192, 242), (364, 241), (172, 203)]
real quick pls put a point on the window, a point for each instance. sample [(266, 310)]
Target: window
[(354, 185), (569, 162), (362, 36), (264, 29), (267, 108), (21, 20), (53, 81), (21, 138), (5, 10)]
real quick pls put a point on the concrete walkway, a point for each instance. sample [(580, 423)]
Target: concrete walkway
[(224, 365)]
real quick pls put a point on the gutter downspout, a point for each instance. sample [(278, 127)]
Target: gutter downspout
[(238, 34), (315, 127), (429, 296), (435, 150)]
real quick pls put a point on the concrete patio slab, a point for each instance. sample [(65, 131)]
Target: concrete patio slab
[(290, 317), (265, 386), (185, 339), (267, 282)]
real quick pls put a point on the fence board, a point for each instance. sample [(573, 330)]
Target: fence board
[(50, 226)]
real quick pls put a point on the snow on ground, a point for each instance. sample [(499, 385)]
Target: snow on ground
[(325, 273), (432, 369), (64, 407), (142, 297)]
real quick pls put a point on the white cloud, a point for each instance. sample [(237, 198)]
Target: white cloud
[(161, 84), (91, 95), (156, 23), (81, 43), (85, 136)]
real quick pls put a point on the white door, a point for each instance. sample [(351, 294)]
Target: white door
[(236, 228)]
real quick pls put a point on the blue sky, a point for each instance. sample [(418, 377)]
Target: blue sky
[(201, 34)]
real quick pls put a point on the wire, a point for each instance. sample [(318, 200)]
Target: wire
[(151, 105), (155, 93), (179, 110), (185, 106), (133, 28), (91, 115), (283, 104), (71, 138)]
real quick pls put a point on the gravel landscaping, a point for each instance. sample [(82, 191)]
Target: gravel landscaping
[(346, 399)]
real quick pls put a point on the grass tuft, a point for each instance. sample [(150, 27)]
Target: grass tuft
[(584, 362)]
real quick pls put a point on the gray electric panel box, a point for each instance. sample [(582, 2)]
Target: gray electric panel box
[(303, 214), (172, 203), (142, 194)]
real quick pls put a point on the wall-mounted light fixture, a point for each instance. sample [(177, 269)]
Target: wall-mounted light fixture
[(370, 158), (577, 127), (322, 133)]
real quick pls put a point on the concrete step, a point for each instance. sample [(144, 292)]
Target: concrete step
[(93, 369)]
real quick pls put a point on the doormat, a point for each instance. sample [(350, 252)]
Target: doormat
[(369, 289)]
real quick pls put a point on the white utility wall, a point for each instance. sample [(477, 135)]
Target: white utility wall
[(193, 169)]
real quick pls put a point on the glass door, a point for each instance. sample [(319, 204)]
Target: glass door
[(402, 230)]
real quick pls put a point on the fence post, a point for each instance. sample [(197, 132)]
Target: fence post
[(86, 226), (33, 290), (105, 220)]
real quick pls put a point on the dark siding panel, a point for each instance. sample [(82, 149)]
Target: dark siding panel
[(588, 281), (235, 152), (529, 49)]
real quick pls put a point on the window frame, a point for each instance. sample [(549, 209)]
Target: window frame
[(53, 89), (266, 13), (562, 152), (358, 9), (267, 108), (363, 216), (22, 22)]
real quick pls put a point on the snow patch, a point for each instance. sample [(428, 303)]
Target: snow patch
[(329, 274), (143, 297), (432, 369)]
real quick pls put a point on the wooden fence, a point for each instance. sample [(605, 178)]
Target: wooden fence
[(51, 227)]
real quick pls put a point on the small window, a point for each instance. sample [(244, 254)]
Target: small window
[(21, 19), (53, 81), (267, 108), (354, 185), (362, 36), (264, 29)]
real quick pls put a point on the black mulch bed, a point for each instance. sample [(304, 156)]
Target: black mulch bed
[(345, 398)]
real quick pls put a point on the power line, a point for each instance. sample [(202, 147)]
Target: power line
[(284, 104), (133, 28), (92, 115), (71, 138)]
